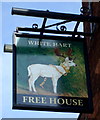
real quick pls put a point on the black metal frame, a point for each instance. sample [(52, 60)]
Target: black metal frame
[(54, 15), (88, 108), (54, 31)]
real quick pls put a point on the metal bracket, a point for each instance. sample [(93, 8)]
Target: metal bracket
[(8, 48), (55, 15), (54, 31), (83, 17), (42, 28)]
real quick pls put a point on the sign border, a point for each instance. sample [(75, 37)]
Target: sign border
[(88, 109)]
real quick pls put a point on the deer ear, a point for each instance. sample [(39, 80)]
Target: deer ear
[(67, 58), (70, 58)]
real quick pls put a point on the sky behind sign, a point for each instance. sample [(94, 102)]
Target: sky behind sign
[(9, 24)]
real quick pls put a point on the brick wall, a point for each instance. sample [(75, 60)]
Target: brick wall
[(93, 44)]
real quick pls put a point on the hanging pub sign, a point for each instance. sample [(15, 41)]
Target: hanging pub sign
[(51, 74)]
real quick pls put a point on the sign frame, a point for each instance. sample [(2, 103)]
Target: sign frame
[(87, 108)]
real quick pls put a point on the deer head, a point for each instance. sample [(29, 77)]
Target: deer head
[(69, 62)]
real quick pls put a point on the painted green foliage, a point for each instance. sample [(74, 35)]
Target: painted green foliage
[(74, 84)]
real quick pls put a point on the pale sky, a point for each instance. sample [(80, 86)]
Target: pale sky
[(9, 24)]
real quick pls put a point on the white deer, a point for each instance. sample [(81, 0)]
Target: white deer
[(48, 71)]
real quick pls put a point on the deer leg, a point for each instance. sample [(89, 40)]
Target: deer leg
[(33, 86), (30, 83), (33, 82), (54, 85)]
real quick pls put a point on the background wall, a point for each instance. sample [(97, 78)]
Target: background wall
[(93, 44)]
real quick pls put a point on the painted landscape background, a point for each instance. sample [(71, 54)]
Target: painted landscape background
[(74, 84)]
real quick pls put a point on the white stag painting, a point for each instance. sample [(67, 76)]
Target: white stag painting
[(51, 70), (48, 71)]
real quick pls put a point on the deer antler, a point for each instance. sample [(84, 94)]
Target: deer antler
[(58, 53), (64, 54), (69, 52)]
